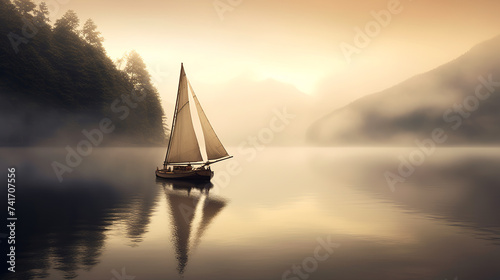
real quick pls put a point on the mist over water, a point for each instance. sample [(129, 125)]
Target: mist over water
[(111, 213)]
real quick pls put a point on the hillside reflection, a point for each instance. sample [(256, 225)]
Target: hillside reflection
[(192, 210), (65, 227)]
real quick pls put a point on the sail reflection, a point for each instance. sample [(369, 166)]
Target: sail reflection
[(192, 212)]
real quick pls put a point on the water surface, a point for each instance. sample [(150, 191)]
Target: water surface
[(260, 216)]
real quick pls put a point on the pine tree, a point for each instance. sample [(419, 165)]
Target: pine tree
[(141, 80), (137, 72), (42, 15), (91, 35), (25, 7), (68, 22)]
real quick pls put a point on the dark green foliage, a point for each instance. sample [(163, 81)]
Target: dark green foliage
[(57, 81)]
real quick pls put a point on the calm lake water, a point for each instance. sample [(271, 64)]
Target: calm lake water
[(329, 212)]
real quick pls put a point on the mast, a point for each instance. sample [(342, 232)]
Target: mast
[(174, 117)]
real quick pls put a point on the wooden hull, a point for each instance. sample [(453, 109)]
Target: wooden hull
[(180, 184), (195, 175)]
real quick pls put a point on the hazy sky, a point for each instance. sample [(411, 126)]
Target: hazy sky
[(295, 42)]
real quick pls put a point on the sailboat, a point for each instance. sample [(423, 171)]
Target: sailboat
[(184, 158)]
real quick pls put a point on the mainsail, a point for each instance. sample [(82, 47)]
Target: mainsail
[(183, 146)]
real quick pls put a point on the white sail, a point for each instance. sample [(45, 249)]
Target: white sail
[(214, 148), (183, 146)]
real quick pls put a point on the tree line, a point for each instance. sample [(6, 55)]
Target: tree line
[(56, 78)]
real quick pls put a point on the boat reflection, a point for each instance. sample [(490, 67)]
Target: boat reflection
[(192, 213)]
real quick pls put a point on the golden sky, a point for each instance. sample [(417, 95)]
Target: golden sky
[(294, 42)]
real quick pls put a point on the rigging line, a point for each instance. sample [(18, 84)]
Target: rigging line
[(180, 109), (210, 162)]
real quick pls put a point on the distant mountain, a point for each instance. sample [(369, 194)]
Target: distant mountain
[(461, 97), (243, 108)]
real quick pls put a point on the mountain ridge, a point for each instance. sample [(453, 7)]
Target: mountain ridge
[(413, 108)]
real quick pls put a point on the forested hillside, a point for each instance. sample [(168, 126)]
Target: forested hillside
[(56, 80)]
